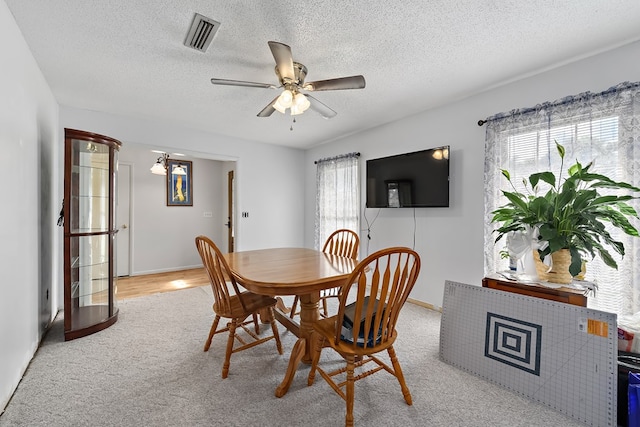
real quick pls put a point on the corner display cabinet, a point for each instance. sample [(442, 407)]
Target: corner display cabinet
[(90, 166)]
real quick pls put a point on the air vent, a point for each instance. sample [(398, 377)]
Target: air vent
[(201, 32)]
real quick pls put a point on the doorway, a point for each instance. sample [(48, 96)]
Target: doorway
[(229, 224), (132, 184)]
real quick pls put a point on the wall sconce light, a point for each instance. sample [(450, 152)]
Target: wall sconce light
[(160, 167), (162, 164), (178, 170)]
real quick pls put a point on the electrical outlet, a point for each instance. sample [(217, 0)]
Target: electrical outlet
[(207, 214)]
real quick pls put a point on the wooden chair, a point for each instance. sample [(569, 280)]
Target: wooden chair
[(381, 283), (342, 242), (237, 306)]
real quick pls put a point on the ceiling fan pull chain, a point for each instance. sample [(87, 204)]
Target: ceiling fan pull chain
[(291, 128)]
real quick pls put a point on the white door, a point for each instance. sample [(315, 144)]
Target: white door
[(123, 218)]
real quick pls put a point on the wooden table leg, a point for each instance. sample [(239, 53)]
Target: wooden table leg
[(308, 316), (302, 350), (296, 354)]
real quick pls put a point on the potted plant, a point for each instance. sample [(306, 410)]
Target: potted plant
[(569, 219)]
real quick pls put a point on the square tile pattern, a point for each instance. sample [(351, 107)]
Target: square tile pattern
[(560, 355), (513, 342)]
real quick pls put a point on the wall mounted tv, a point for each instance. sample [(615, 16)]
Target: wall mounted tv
[(412, 180)]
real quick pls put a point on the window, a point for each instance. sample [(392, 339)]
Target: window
[(601, 127), (337, 196)]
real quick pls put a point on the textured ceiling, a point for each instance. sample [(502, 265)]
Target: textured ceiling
[(128, 57)]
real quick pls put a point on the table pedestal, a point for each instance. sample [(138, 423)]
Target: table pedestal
[(304, 347)]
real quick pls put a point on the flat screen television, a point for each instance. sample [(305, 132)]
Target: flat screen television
[(411, 180)]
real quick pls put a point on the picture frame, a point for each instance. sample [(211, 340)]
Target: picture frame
[(179, 186)]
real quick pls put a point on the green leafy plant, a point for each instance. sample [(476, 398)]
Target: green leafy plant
[(571, 214)]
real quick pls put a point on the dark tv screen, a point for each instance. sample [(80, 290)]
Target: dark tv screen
[(411, 180)]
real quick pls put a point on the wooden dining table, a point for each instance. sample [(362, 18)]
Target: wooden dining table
[(291, 271)]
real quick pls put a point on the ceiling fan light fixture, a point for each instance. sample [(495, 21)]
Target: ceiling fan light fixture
[(284, 101), (301, 102), (295, 110), (279, 107), (286, 98)]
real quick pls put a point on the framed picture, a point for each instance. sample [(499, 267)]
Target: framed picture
[(179, 183)]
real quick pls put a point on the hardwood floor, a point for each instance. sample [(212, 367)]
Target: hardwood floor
[(136, 286)]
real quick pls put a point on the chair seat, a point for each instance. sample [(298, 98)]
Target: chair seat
[(327, 329), (252, 302)]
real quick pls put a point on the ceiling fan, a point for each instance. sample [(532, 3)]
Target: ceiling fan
[(291, 76)]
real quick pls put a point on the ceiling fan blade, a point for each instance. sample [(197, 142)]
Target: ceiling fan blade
[(268, 110), (352, 82), (321, 108), (284, 60), (226, 82)]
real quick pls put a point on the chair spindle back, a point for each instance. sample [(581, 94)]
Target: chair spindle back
[(219, 274), (386, 277), (342, 242)]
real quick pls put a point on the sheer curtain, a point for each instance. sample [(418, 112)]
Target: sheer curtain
[(604, 127), (337, 196)]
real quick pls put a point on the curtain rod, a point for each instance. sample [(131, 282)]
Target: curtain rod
[(342, 156), (566, 100)]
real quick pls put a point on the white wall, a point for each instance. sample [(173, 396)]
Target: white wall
[(267, 176), (162, 237), (450, 240), (31, 198)]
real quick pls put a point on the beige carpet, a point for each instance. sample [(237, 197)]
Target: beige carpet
[(149, 369)]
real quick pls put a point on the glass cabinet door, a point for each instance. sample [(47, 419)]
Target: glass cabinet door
[(90, 187), (89, 279), (90, 182)]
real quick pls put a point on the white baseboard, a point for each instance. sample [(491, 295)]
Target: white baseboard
[(165, 270)]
